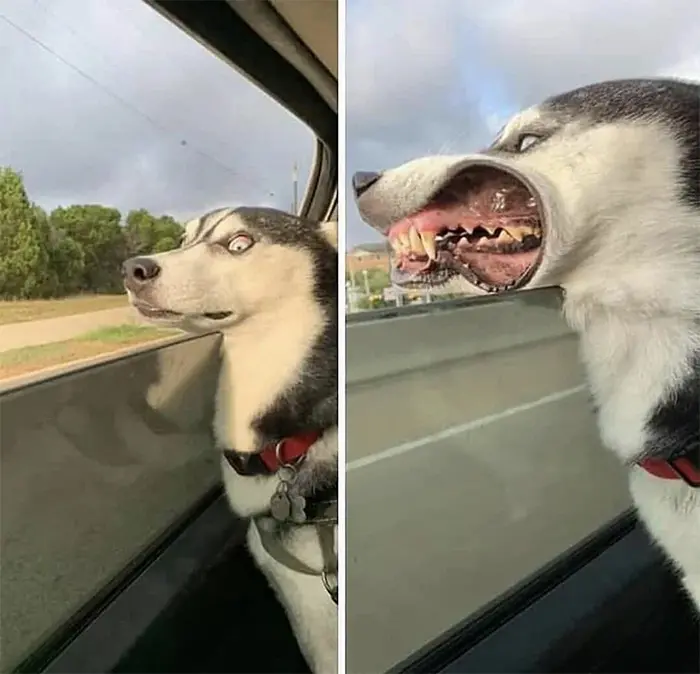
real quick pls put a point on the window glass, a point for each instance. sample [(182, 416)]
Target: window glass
[(473, 453), (117, 127)]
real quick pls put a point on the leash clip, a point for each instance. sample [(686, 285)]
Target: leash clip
[(331, 588)]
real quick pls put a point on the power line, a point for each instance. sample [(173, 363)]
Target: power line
[(127, 104)]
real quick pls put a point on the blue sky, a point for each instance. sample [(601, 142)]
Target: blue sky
[(442, 76)]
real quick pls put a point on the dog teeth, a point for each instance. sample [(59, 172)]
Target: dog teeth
[(519, 233), (415, 242), (428, 241), (403, 243), (504, 237)]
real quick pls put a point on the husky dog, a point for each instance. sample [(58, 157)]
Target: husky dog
[(268, 281), (597, 191)]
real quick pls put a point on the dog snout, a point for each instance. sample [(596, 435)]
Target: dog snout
[(362, 181), (138, 271)]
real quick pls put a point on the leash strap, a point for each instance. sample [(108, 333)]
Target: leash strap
[(270, 533), (271, 540), (329, 576)]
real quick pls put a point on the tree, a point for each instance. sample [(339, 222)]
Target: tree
[(146, 233), (78, 248), (24, 259), (67, 262), (96, 229), (377, 279)]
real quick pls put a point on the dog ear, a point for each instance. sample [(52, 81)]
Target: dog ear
[(329, 230)]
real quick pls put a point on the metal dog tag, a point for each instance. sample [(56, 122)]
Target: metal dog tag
[(280, 505), (286, 505), (298, 504)]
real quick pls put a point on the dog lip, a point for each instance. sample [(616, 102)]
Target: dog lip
[(150, 310)]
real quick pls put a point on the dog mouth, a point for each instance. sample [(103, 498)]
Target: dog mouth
[(153, 312), (485, 225)]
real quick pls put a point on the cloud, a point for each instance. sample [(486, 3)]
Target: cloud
[(152, 119), (443, 76)]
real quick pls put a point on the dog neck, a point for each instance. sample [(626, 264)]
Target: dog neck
[(636, 361), (264, 358)]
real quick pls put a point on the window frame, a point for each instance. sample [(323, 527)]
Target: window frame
[(587, 610), (221, 28)]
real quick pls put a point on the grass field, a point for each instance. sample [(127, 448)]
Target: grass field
[(32, 358), (33, 310)]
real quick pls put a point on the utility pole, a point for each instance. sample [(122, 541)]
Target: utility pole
[(295, 186), (366, 279)]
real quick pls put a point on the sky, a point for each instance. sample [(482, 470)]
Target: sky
[(130, 111), (443, 76)]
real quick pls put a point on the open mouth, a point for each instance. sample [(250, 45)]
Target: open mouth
[(484, 225), (149, 311)]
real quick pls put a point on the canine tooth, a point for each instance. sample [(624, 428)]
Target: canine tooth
[(403, 242), (428, 240), (415, 242), (520, 233), (395, 245)]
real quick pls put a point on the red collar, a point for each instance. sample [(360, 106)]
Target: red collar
[(675, 469), (273, 456), (287, 450)]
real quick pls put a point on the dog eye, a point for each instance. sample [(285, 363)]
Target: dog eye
[(526, 141), (239, 243)]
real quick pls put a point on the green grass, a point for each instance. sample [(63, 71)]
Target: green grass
[(97, 342), (123, 333)]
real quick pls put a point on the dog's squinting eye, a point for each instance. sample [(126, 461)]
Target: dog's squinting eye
[(526, 141), (239, 243)]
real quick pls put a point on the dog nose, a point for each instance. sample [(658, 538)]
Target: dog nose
[(139, 270), (362, 181)]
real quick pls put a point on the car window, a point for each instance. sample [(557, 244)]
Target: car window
[(473, 453), (121, 128)]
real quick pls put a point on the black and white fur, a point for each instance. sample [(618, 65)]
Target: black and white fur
[(618, 167), (267, 281)]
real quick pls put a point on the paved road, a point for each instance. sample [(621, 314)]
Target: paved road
[(464, 475), (32, 333)]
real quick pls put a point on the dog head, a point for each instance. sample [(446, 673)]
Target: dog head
[(596, 190), (234, 264)]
